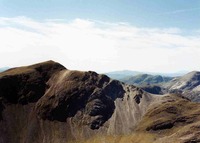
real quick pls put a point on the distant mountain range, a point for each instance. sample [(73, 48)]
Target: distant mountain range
[(143, 79), (128, 73), (122, 74), (188, 85)]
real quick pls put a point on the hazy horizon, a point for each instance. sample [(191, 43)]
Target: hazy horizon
[(152, 36)]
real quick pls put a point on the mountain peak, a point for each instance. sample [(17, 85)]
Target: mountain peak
[(28, 83)]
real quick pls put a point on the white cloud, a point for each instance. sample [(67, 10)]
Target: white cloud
[(95, 45)]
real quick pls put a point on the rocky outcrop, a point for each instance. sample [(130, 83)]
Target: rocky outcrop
[(73, 91)]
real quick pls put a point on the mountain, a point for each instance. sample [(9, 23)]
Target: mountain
[(143, 79), (150, 83), (190, 81), (48, 103), (188, 85), (122, 74), (119, 75)]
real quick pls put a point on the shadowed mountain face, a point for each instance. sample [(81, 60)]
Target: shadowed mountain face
[(26, 84), (48, 103), (74, 91)]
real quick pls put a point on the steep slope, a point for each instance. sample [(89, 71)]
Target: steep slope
[(171, 119), (48, 103)]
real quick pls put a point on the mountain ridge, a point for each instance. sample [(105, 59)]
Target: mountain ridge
[(118, 75), (49, 103), (56, 96)]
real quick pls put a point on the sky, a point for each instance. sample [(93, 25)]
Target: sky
[(102, 35)]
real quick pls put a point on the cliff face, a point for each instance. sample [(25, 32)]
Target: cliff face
[(48, 103)]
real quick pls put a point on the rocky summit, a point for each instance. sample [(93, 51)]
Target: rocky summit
[(47, 103)]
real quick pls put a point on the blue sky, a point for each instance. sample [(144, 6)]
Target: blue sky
[(102, 35), (144, 13)]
